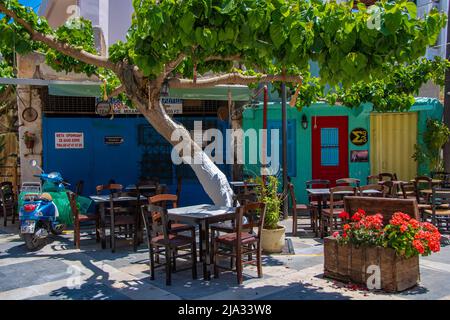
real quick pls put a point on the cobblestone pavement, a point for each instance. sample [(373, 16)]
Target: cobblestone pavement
[(58, 271)]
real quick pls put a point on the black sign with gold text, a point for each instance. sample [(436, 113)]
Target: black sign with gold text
[(359, 136)]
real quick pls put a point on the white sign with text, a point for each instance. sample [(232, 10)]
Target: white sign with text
[(69, 140)]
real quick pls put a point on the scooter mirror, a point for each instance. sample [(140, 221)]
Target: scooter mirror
[(33, 163)]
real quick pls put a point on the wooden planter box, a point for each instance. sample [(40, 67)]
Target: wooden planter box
[(349, 264)]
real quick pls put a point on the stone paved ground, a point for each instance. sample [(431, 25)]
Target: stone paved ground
[(47, 274)]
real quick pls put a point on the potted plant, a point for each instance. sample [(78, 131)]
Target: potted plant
[(29, 139), (273, 235), (379, 257)]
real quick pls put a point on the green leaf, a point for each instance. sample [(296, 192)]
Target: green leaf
[(187, 22), (277, 35)]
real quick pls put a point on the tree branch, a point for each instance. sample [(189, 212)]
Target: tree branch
[(120, 89), (231, 78), (223, 58), (62, 47)]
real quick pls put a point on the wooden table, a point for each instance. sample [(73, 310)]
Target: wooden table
[(100, 201), (325, 192), (146, 189), (203, 215)]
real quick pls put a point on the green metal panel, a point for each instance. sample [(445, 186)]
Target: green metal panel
[(357, 118), (75, 90), (238, 93)]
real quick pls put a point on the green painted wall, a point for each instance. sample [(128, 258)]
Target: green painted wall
[(357, 118)]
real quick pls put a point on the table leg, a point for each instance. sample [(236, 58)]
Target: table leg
[(319, 212), (112, 231), (102, 225), (206, 251)]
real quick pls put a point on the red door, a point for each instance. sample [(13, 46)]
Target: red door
[(330, 148)]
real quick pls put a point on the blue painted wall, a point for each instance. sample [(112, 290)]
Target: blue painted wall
[(97, 163)]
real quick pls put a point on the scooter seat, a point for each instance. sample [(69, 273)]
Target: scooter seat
[(46, 196)]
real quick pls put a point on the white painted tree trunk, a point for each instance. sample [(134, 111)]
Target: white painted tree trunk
[(213, 180)]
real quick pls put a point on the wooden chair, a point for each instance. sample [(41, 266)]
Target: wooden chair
[(372, 179), (169, 201), (390, 188), (313, 184), (114, 187), (244, 242), (348, 182), (439, 214), (82, 221), (124, 218), (302, 210), (8, 204), (168, 243), (363, 191), (79, 187), (330, 216), (386, 175), (423, 183), (408, 190)]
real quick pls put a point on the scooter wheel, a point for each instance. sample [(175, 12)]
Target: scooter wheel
[(58, 231), (32, 242)]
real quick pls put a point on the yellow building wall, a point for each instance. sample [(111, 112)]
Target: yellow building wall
[(392, 141)]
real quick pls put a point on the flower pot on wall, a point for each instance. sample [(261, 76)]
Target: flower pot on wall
[(29, 144), (272, 240)]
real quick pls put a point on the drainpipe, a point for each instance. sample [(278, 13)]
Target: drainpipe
[(284, 150), (264, 140)]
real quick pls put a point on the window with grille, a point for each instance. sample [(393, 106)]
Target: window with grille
[(329, 147)]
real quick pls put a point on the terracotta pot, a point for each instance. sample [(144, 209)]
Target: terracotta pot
[(272, 240), (29, 144)]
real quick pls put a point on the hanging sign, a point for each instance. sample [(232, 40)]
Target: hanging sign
[(69, 140), (103, 108), (359, 136), (172, 105), (114, 140)]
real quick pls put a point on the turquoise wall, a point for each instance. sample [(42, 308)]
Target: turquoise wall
[(357, 118)]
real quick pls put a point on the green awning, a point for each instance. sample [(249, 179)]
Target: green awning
[(238, 93), (75, 90)]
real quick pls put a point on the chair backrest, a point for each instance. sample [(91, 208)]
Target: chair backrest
[(335, 193), (153, 227), (372, 179), (79, 187), (109, 187), (348, 181), (7, 191), (128, 207), (389, 187), (378, 187), (254, 213), (162, 200), (423, 182), (443, 175), (386, 175), (292, 196), (408, 189), (317, 183), (440, 196), (385, 206)]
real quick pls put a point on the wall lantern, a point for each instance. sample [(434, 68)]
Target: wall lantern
[(304, 122), (165, 89)]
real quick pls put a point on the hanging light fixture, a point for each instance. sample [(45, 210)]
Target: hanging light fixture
[(304, 122)]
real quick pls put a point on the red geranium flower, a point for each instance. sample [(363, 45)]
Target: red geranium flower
[(344, 215)]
